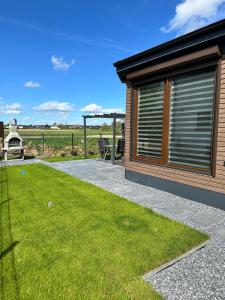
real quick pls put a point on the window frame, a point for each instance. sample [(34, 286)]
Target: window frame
[(164, 160)]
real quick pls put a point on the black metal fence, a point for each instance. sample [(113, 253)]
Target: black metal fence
[(58, 145), (54, 145)]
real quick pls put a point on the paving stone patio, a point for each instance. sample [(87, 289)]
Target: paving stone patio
[(17, 162), (201, 275)]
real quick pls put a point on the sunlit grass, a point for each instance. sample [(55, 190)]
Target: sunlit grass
[(67, 158), (86, 244)]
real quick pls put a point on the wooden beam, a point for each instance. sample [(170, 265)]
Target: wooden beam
[(85, 138), (188, 58), (114, 141), (2, 133), (106, 116)]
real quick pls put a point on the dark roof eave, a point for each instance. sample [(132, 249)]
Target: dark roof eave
[(203, 35)]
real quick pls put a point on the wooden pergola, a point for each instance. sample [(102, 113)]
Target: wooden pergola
[(2, 133), (114, 117)]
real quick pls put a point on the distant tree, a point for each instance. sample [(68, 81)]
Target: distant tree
[(118, 127), (105, 127)]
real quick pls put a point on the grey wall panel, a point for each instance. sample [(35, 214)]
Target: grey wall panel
[(186, 191)]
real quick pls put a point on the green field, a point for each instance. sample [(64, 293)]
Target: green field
[(67, 158), (61, 132)]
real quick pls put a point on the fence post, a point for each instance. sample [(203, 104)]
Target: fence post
[(43, 144), (72, 144)]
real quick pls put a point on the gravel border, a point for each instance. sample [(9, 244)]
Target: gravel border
[(169, 264)]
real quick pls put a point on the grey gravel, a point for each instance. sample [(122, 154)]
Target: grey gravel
[(201, 275)]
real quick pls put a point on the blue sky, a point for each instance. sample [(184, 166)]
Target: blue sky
[(57, 56)]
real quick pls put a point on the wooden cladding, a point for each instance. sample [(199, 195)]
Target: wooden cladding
[(174, 121), (191, 58), (173, 173)]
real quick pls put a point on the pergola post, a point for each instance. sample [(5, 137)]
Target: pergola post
[(114, 140), (2, 133), (85, 138), (113, 116)]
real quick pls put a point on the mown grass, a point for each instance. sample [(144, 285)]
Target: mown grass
[(90, 244), (67, 158), (62, 132)]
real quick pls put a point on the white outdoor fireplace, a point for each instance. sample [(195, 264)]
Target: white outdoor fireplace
[(13, 143)]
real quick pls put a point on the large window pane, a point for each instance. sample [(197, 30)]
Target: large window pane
[(191, 119), (150, 120)]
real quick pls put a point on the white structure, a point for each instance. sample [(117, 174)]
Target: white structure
[(54, 127), (13, 143)]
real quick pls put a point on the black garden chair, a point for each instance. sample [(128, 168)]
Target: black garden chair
[(120, 148), (103, 150)]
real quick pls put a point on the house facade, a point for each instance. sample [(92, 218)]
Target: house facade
[(175, 115)]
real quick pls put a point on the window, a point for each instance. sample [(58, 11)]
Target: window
[(175, 121), (150, 120)]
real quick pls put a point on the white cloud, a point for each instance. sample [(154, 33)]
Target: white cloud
[(193, 14), (55, 107), (32, 84), (94, 108), (10, 109), (60, 64), (26, 118)]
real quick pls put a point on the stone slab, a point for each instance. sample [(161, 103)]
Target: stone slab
[(205, 219), (176, 209)]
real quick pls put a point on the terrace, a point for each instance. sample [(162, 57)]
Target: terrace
[(91, 234), (66, 144)]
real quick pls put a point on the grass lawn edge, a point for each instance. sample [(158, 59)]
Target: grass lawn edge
[(125, 200)]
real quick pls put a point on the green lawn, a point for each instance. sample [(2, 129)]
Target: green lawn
[(62, 132), (91, 244), (66, 158)]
